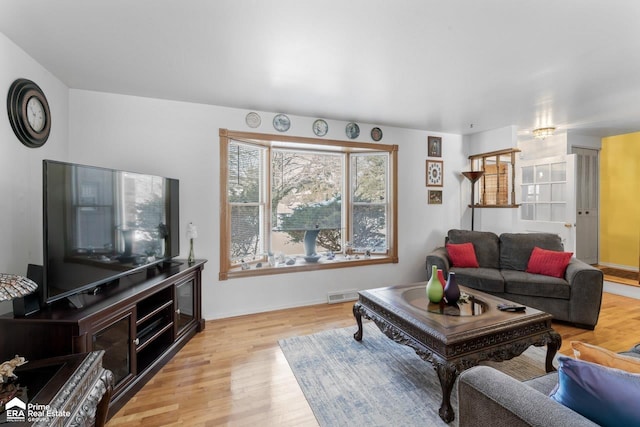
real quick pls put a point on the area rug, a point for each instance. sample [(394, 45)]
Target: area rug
[(377, 382)]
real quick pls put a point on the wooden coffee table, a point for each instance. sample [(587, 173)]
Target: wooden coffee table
[(455, 338)]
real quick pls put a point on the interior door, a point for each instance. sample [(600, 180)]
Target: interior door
[(587, 201), (547, 197)]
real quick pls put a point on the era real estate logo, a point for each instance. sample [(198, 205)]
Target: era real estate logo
[(19, 412), (16, 410)]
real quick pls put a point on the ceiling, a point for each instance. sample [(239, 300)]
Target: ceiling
[(456, 66)]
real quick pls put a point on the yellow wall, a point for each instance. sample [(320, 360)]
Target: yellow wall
[(620, 200)]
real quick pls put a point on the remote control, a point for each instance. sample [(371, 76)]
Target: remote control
[(511, 307)]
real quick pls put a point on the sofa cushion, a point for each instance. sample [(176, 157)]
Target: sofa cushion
[(604, 357), (606, 396), (462, 255), (516, 248), (535, 285), (545, 384), (485, 243), (482, 279), (549, 263)]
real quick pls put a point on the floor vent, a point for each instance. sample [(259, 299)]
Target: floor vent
[(335, 297)]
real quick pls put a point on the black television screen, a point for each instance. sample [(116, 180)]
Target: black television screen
[(101, 224)]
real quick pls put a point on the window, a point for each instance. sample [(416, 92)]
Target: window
[(497, 184), (294, 204), (544, 192)]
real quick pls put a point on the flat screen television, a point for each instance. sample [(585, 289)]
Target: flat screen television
[(102, 224)]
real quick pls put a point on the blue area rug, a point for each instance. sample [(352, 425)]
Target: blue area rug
[(377, 382)]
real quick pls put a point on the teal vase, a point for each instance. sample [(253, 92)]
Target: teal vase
[(434, 287)]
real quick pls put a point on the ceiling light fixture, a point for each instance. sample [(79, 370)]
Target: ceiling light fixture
[(542, 133)]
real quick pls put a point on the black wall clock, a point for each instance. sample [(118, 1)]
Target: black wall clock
[(29, 113)]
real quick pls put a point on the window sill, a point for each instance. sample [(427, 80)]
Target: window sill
[(302, 265)]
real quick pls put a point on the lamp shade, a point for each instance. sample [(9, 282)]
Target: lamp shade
[(473, 176), (13, 286), (192, 231)]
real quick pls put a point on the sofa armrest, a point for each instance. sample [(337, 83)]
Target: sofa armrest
[(440, 259), (488, 397), (586, 292)]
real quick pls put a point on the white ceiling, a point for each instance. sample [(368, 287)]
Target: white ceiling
[(438, 65)]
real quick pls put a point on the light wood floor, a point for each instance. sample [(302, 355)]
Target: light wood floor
[(233, 373)]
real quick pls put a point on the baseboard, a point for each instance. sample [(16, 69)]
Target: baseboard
[(633, 268), (225, 315)]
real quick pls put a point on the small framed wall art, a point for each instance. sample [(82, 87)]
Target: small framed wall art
[(434, 171), (435, 197), (434, 146)]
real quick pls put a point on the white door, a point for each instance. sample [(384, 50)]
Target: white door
[(547, 197), (587, 184)]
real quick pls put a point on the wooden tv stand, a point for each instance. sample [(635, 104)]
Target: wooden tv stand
[(140, 322)]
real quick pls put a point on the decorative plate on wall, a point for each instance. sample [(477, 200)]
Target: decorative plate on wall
[(320, 127), (281, 123), (253, 120), (376, 134), (352, 130)]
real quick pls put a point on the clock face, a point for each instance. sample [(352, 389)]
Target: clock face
[(35, 114)]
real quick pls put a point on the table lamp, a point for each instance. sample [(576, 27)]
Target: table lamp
[(13, 286), (192, 233)]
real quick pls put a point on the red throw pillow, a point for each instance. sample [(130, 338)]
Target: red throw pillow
[(549, 263), (462, 255)]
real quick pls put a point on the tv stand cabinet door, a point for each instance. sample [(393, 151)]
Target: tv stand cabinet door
[(186, 303), (116, 336)]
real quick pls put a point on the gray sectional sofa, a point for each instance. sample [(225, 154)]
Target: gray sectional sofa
[(488, 397), (503, 259)]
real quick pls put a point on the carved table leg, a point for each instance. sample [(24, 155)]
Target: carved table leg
[(447, 375), (552, 348), (103, 405), (356, 312)]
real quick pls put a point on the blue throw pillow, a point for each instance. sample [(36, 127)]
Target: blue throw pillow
[(606, 396)]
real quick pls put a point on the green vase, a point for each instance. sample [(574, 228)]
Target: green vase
[(434, 287)]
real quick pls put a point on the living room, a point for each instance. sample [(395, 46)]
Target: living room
[(133, 129)]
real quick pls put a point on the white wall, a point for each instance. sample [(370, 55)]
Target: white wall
[(491, 140), (583, 141), (21, 167), (180, 140), (551, 146)]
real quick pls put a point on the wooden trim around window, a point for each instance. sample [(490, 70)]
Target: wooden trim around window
[(228, 271)]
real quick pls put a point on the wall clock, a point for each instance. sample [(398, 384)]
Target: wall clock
[(29, 114), (434, 173)]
